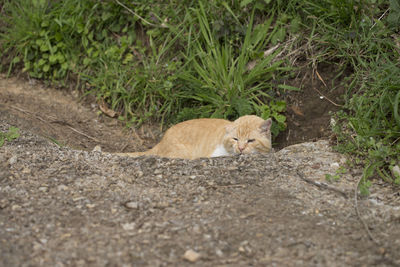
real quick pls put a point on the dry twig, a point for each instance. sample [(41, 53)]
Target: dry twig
[(54, 120), (321, 185)]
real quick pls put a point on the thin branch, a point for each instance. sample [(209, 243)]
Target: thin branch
[(54, 121), (321, 185), (384, 13), (326, 97), (77, 131)]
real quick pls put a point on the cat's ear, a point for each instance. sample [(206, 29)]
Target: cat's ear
[(266, 126)]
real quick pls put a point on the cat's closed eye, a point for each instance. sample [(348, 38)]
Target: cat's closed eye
[(251, 140), (234, 138)]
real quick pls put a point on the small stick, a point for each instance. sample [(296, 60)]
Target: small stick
[(384, 13), (326, 97), (321, 185), (55, 121), (85, 135), (320, 78)]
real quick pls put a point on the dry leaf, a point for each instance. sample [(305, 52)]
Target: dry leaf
[(251, 65), (271, 50), (297, 110), (104, 108)]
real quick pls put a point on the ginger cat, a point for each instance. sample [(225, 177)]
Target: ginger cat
[(213, 138)]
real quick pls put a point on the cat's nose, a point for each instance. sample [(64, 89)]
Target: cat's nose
[(241, 149)]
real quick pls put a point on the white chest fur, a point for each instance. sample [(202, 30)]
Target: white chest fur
[(220, 151)]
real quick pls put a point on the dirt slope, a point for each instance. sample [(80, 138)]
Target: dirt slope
[(68, 207)]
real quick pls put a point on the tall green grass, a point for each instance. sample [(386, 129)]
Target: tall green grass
[(225, 82), (135, 63)]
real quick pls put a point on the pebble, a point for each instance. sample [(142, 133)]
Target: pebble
[(128, 226), (4, 203), (90, 206), (15, 207), (12, 160), (191, 255), (335, 165), (396, 171), (219, 252), (97, 149), (43, 189), (26, 170), (132, 205), (62, 187)]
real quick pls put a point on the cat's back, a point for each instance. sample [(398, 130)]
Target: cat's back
[(192, 139), (205, 124), (197, 129)]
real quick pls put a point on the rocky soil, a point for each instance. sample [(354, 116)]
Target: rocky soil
[(63, 206)]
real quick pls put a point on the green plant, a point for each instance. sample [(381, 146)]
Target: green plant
[(37, 40), (11, 134), (222, 81), (144, 89), (338, 173), (370, 129)]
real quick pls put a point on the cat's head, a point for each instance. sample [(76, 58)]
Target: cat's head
[(248, 134)]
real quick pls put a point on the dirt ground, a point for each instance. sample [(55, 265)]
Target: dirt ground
[(62, 204)]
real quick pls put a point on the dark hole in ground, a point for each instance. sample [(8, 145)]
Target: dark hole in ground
[(309, 110)]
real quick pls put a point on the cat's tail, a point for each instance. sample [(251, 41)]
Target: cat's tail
[(133, 154)]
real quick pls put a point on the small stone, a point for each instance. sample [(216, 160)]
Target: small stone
[(132, 205), (43, 189), (396, 171), (128, 226), (139, 174), (12, 160), (335, 165), (62, 187), (97, 149), (26, 170), (196, 229), (15, 207), (219, 252), (4, 203), (191, 255), (37, 246), (90, 206)]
